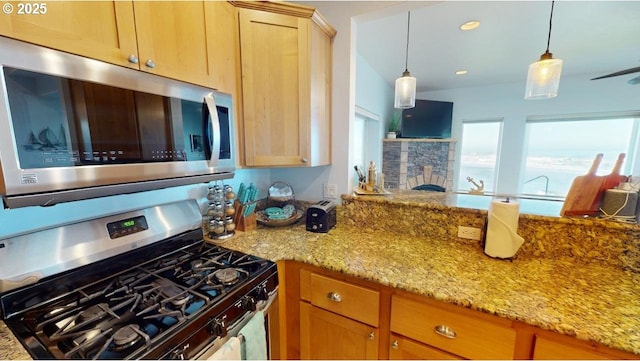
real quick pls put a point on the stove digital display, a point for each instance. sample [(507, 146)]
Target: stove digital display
[(127, 226)]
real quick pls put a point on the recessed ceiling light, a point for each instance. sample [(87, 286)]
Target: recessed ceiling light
[(461, 72), (470, 25)]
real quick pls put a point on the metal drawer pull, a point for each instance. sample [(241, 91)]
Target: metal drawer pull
[(445, 331), (133, 59), (394, 345), (334, 296), (371, 336), (150, 64)]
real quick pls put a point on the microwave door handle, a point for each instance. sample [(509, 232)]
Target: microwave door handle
[(215, 127)]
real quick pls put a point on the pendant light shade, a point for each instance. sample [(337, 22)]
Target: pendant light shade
[(543, 78), (405, 94), (405, 91)]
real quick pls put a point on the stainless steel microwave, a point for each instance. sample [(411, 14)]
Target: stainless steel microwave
[(75, 128)]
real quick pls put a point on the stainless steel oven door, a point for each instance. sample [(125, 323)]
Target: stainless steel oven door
[(270, 310)]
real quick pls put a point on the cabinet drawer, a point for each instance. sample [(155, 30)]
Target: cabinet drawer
[(469, 336), (359, 303), (552, 350)]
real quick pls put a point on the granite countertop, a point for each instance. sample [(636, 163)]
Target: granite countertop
[(10, 347), (591, 302)]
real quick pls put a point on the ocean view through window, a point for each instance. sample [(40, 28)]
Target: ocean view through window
[(557, 151), (554, 151), (479, 154)]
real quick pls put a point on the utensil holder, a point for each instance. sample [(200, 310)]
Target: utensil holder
[(244, 223)]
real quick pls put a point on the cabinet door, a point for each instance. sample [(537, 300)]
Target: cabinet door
[(101, 30), (172, 40), (222, 31), (405, 349), (275, 83), (325, 335)]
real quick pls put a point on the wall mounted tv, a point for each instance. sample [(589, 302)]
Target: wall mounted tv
[(428, 119)]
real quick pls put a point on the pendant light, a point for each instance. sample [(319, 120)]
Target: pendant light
[(405, 95), (543, 78)]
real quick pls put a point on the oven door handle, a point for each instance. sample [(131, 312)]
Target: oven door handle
[(235, 327), (219, 341), (211, 111)]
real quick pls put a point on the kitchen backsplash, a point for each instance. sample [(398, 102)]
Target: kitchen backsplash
[(585, 240)]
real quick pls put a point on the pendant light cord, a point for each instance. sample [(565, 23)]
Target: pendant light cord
[(406, 62), (550, 20)]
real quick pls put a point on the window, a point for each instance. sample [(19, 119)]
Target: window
[(558, 150), (366, 144), (479, 154)]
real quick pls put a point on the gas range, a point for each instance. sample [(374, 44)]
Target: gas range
[(168, 299)]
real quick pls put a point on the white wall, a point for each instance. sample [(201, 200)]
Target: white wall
[(373, 93), (576, 95)]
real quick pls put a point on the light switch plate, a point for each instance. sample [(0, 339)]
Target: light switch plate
[(330, 191)]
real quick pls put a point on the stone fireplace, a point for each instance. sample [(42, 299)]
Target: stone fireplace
[(407, 163)]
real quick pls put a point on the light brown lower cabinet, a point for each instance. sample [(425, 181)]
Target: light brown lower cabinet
[(334, 316), (325, 335)]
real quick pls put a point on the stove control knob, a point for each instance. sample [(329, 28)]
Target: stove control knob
[(262, 293), (180, 353), (249, 303), (218, 326)]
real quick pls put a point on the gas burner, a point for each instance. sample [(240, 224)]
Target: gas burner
[(93, 312), (127, 336), (177, 296), (197, 264), (227, 276)]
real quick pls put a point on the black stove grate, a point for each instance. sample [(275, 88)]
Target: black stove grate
[(135, 307)]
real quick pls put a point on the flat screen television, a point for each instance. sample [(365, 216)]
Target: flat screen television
[(428, 119)]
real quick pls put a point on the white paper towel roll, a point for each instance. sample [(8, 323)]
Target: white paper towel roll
[(502, 240)]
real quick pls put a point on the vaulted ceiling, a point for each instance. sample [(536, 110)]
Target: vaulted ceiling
[(592, 37)]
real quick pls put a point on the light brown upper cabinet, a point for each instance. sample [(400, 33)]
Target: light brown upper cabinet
[(167, 38), (102, 30), (285, 66)]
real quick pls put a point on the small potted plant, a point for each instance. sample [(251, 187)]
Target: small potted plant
[(394, 125)]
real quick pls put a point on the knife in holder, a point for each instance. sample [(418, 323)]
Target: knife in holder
[(244, 216)]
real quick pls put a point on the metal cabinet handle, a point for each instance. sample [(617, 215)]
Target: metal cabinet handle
[(394, 345), (150, 64), (304, 160), (372, 336), (133, 59), (445, 331), (334, 296)]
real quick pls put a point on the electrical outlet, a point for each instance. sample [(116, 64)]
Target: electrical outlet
[(469, 232), (330, 191)]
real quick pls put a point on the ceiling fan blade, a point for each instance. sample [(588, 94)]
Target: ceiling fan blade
[(618, 73), (634, 81)]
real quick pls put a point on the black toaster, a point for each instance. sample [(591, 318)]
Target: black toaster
[(321, 217)]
